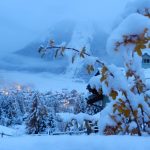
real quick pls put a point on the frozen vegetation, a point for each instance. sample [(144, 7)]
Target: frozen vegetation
[(80, 85)]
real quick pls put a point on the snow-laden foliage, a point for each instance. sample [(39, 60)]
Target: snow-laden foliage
[(78, 123), (37, 118), (137, 6), (128, 30), (129, 109)]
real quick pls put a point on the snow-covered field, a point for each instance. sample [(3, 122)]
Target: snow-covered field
[(69, 142), (93, 142)]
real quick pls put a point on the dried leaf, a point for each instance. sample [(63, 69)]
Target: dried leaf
[(140, 88), (135, 112), (90, 68), (120, 100), (104, 69), (120, 109), (129, 73), (138, 50), (62, 50), (113, 94), (82, 53), (127, 113), (103, 78)]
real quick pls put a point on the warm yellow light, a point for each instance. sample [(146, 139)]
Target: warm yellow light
[(5, 92), (18, 87), (66, 103)]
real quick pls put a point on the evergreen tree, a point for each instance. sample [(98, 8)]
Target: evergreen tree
[(10, 111), (37, 118), (51, 123)]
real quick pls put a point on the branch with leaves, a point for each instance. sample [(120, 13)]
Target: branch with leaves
[(123, 106), (130, 102)]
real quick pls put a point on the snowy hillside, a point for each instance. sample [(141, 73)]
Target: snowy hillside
[(75, 35)]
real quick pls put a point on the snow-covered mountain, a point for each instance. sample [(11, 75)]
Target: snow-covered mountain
[(74, 34)]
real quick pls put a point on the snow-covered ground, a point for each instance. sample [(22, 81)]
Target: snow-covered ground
[(8, 131), (93, 142)]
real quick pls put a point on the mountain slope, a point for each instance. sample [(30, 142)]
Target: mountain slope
[(75, 35)]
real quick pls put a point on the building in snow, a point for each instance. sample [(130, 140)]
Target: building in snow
[(146, 58)]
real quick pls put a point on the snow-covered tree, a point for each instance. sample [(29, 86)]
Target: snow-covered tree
[(65, 101), (10, 109), (129, 109), (37, 118)]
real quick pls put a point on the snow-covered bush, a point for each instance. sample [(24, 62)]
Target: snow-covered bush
[(77, 123), (129, 111)]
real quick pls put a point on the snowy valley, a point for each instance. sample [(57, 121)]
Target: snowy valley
[(73, 75)]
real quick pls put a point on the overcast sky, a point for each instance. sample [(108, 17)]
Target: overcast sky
[(22, 21)]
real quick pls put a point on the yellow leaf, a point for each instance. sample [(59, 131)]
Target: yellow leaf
[(140, 88), (104, 77), (120, 100), (127, 113), (138, 50), (82, 52), (90, 68), (113, 94), (135, 112), (104, 69), (129, 73), (120, 109), (62, 50)]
